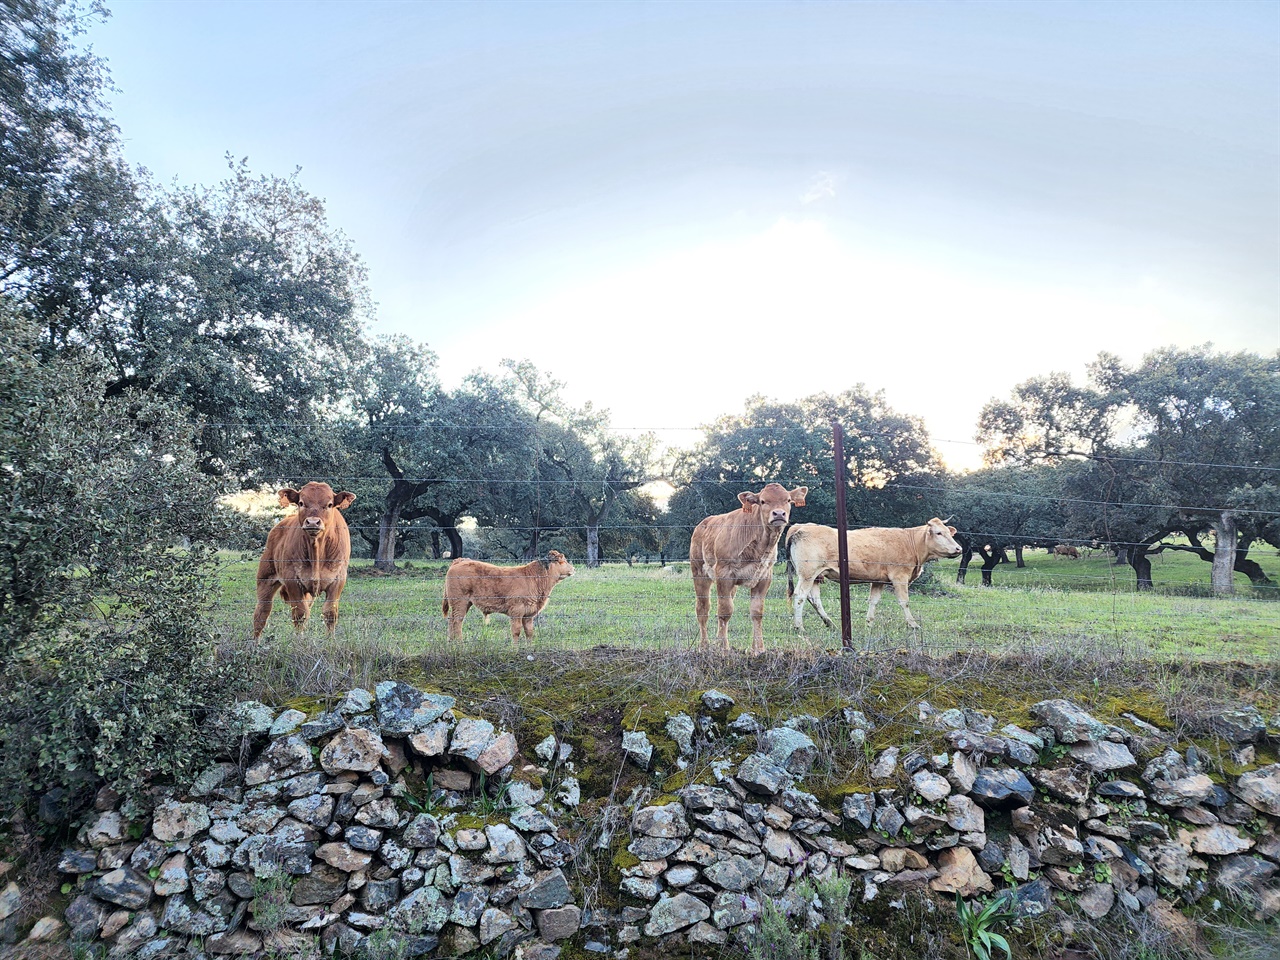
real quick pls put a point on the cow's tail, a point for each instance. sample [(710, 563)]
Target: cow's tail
[(444, 606)]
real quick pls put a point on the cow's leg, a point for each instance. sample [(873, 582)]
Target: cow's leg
[(724, 611), (815, 600), (758, 593), (797, 604), (331, 596), (701, 601), (875, 598), (900, 591), (457, 610), (517, 623), (528, 626), (267, 590), (301, 612)]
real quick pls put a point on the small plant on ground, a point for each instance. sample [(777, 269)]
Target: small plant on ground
[(833, 894), (490, 802), (777, 940), (977, 927), (271, 896)]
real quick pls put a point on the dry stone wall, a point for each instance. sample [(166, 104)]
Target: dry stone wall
[(396, 822)]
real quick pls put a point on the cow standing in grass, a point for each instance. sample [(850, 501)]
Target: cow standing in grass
[(877, 555), (307, 554), (519, 592), (739, 549), (1066, 550)]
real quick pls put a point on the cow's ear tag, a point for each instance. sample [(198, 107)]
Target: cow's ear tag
[(747, 498)]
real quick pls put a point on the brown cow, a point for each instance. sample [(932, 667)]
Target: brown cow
[(739, 549), (519, 592), (877, 555), (306, 554), (1066, 550)]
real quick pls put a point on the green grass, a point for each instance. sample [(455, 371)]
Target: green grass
[(1050, 603)]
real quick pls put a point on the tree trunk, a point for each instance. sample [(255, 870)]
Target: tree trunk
[(385, 558), (1224, 554), (435, 544), (1017, 552), (1257, 576), (989, 561), (593, 545), (1141, 564), (1122, 556)]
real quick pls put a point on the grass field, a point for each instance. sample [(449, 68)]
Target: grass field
[(1051, 602)]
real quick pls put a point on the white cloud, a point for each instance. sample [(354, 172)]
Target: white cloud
[(823, 185)]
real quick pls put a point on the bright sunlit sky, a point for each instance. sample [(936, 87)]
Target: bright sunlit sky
[(673, 206)]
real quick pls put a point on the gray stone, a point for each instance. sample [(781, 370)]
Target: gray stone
[(352, 749), (675, 913), (493, 924), (559, 923), (1120, 789), (889, 820), (1218, 840), (423, 831), (736, 873), (637, 748), (654, 848), (665, 822), (792, 750), (930, 786), (505, 845), (1236, 724), (405, 710), (356, 701), (761, 774), (1062, 784), (425, 909), (643, 888), (321, 725), (379, 814), (1002, 788), (548, 890), (680, 728), (1069, 721), (1260, 789), (173, 821), (432, 741), (962, 773), (77, 861), (964, 815), (1104, 756), (469, 905), (859, 807), (173, 876), (716, 702), (884, 766), (125, 887), (282, 758), (179, 916), (250, 717), (731, 909), (315, 810), (287, 723)]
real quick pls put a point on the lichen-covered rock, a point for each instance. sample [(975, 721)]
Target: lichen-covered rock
[(790, 749), (637, 748), (665, 822), (549, 889), (282, 758), (1070, 722), (424, 910), (680, 728), (1103, 756), (1260, 789), (353, 749), (404, 710), (760, 774), (675, 913), (173, 821), (125, 887)]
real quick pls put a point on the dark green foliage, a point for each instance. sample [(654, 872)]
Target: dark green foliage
[(108, 663)]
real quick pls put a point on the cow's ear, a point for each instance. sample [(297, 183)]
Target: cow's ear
[(953, 530), (797, 495), (288, 496), (344, 499), (746, 498)]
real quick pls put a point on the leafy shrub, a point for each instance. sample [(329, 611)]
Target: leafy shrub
[(107, 666)]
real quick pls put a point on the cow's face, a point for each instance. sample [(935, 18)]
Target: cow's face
[(775, 502), (558, 564), (941, 539), (316, 503)]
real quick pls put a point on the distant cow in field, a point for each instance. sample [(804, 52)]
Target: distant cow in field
[(519, 592), (739, 549), (877, 555), (1066, 550), (306, 554)]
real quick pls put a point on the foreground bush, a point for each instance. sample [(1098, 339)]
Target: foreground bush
[(108, 665)]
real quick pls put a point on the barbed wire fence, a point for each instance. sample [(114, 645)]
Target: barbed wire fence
[(646, 598)]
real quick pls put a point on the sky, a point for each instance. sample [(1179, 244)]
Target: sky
[(671, 207)]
